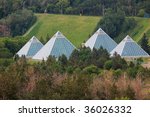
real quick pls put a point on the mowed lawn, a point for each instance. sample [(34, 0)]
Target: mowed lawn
[(76, 28)]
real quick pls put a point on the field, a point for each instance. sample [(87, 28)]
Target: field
[(78, 28), (75, 28)]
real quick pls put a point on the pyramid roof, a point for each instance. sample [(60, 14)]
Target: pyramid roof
[(30, 48), (101, 39), (129, 49), (56, 46)]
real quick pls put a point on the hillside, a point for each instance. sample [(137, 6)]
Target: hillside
[(78, 28), (75, 28), (143, 26)]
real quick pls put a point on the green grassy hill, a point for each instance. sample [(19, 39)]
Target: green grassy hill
[(78, 28), (75, 28), (143, 26)]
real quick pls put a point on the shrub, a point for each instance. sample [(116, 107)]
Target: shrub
[(108, 65), (5, 62), (132, 72), (91, 70), (141, 13), (70, 69), (117, 73), (5, 53)]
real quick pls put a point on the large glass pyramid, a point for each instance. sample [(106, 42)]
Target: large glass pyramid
[(129, 49), (101, 39), (30, 48), (57, 46)]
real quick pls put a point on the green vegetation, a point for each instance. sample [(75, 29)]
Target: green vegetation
[(17, 23), (9, 46), (115, 23), (143, 26), (145, 44), (117, 26), (86, 74), (75, 28), (85, 7), (78, 28), (83, 76)]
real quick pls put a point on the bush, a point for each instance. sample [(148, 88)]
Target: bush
[(70, 69), (139, 61), (5, 62), (118, 62), (14, 45), (132, 72), (91, 70), (117, 73), (5, 53), (141, 13), (144, 73), (108, 65), (130, 93)]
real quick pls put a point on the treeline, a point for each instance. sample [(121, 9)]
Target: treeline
[(15, 19), (85, 7), (9, 47), (17, 23), (86, 75), (88, 7)]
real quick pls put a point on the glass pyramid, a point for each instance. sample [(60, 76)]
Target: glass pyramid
[(30, 48), (129, 48), (101, 39), (56, 46)]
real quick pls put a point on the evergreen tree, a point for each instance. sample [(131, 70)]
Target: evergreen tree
[(144, 43)]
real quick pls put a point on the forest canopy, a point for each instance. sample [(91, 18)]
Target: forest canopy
[(85, 7)]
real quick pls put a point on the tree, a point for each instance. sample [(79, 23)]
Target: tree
[(118, 62), (115, 23), (17, 4), (63, 62), (108, 65), (62, 4), (112, 22), (19, 22), (147, 7), (144, 43)]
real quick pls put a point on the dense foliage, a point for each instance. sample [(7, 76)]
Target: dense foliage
[(80, 77), (9, 47), (87, 74), (85, 7), (145, 43), (14, 16), (18, 22)]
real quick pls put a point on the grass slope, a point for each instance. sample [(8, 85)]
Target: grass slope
[(78, 28), (143, 26), (75, 28)]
